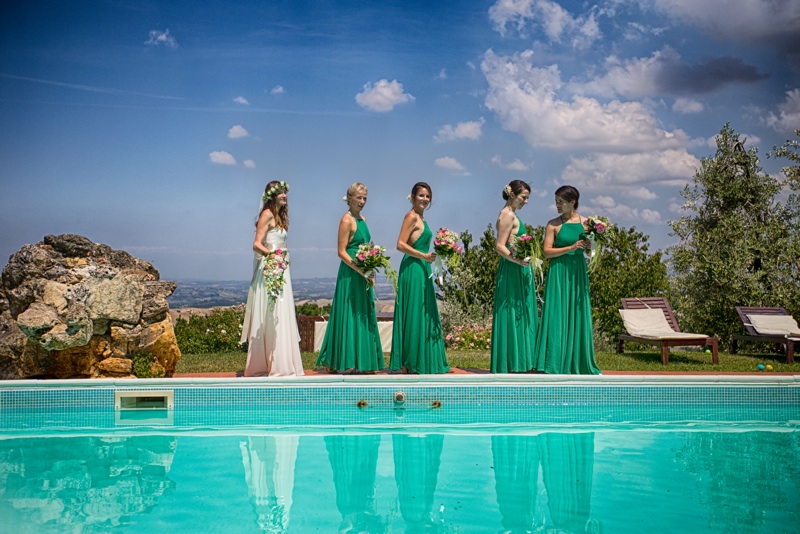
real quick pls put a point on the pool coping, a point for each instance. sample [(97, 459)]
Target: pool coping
[(423, 380)]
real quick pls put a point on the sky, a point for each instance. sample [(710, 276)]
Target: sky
[(154, 126)]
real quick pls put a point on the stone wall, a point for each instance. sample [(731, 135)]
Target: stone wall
[(73, 308)]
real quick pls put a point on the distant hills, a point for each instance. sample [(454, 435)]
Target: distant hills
[(208, 294)]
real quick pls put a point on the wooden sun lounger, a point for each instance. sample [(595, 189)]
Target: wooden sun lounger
[(662, 304), (753, 335)]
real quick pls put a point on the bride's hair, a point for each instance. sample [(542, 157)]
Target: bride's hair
[(281, 213)]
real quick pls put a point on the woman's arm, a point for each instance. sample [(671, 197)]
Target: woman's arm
[(403, 240), (266, 222), (346, 231), (505, 225)]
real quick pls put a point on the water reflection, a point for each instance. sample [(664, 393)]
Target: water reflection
[(417, 458), (85, 484), (567, 465), (269, 463), (354, 462)]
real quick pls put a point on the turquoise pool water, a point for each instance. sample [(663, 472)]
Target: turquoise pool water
[(575, 456)]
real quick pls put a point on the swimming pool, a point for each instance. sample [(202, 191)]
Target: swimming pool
[(461, 454)]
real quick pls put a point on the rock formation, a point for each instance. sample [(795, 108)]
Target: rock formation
[(73, 308)]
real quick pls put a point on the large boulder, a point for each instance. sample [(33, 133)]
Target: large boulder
[(73, 308)]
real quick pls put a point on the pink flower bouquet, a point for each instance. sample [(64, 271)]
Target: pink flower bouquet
[(597, 230), (371, 258), (274, 269)]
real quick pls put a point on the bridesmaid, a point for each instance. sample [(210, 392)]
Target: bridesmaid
[(352, 342), (515, 316), (565, 344), (417, 342)]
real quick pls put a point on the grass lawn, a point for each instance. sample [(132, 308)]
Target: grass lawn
[(638, 360)]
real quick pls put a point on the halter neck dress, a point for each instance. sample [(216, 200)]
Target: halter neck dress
[(565, 344), (417, 341), (351, 338), (515, 317)]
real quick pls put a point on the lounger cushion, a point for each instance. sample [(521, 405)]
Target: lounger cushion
[(651, 323), (774, 325)]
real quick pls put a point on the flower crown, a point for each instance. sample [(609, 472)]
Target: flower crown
[(272, 191), (508, 191)]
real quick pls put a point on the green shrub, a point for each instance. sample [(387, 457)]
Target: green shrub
[(145, 365), (217, 332), (311, 308)]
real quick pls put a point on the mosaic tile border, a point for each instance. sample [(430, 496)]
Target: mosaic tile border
[(199, 405)]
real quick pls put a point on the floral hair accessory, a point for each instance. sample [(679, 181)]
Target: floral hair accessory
[(272, 191), (344, 198), (410, 199), (509, 192)]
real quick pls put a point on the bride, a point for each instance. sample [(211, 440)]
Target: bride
[(269, 327)]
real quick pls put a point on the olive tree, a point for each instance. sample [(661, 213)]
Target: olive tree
[(737, 244)]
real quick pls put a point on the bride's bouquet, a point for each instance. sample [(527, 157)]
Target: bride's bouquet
[(371, 258), (596, 230), (274, 269), (447, 250), (524, 247)]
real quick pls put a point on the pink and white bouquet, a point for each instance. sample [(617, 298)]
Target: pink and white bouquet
[(274, 269), (527, 248), (597, 229), (447, 250), (372, 258), (445, 243)]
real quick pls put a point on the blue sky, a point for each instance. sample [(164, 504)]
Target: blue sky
[(154, 126)]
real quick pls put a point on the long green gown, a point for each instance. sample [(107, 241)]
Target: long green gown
[(417, 342), (565, 344), (515, 317), (351, 339)]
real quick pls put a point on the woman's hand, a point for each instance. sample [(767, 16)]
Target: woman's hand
[(430, 257), (370, 278)]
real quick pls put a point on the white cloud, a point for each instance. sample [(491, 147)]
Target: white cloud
[(451, 164), (462, 130), (620, 214), (640, 193), (241, 100), (525, 100), (157, 37), (442, 75), (788, 118), (277, 90), (555, 21), (220, 157), (515, 165), (619, 172), (249, 163), (383, 95), (687, 105), (237, 131)]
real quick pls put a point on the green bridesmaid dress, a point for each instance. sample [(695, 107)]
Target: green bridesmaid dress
[(351, 339), (417, 342), (515, 317), (565, 344)]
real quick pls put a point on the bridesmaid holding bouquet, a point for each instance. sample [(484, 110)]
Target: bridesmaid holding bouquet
[(352, 342), (515, 316), (417, 341), (565, 344)]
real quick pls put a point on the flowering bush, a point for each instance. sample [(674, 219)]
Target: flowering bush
[(371, 258), (274, 269), (469, 337), (216, 332)]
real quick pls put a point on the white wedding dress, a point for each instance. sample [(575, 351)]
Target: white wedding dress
[(271, 331)]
